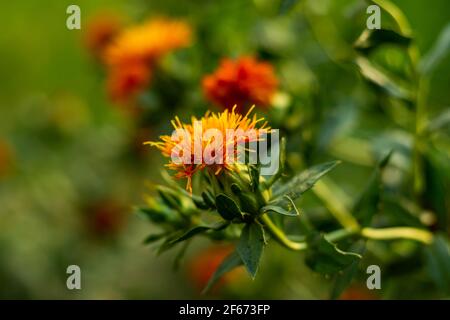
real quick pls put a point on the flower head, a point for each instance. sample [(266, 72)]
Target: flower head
[(131, 56), (244, 82), (212, 142), (148, 42), (100, 31)]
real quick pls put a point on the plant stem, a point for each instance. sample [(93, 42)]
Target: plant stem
[(324, 190), (419, 235)]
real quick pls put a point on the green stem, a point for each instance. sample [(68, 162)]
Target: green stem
[(420, 235), (415, 234)]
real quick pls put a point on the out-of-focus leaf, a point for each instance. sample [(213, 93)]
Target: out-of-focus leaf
[(369, 201), (304, 181), (250, 246), (324, 257), (169, 196), (158, 215), (437, 181), (229, 263), (344, 279), (437, 53), (180, 255), (440, 122), (372, 39), (153, 238), (438, 263), (227, 207), (208, 199), (199, 229), (378, 77), (287, 5)]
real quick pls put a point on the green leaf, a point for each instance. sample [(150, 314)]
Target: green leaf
[(379, 78), (372, 39), (253, 171), (293, 211), (304, 181), (169, 196), (229, 263), (287, 5), (199, 229), (441, 121), (369, 201), (153, 238), (324, 256), (250, 246), (227, 207), (246, 200), (158, 215), (208, 199), (437, 53), (344, 279), (438, 263)]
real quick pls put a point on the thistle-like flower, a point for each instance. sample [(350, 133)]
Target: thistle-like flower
[(212, 142)]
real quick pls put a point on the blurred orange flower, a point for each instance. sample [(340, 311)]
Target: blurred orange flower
[(244, 82), (100, 31), (123, 83), (131, 56), (203, 265)]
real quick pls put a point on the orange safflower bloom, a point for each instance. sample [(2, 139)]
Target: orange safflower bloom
[(244, 82), (131, 56), (220, 122), (100, 31), (148, 42), (126, 82)]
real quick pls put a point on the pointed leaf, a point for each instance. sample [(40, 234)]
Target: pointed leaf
[(437, 53), (304, 181), (293, 211), (199, 229), (250, 246), (227, 207)]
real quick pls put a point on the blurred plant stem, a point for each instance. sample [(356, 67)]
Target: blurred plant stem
[(415, 234)]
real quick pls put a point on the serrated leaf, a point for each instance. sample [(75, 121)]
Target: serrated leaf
[(325, 257), (293, 212), (247, 201), (227, 207), (378, 77), (304, 181), (372, 39), (199, 229), (229, 263), (250, 246), (437, 53)]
